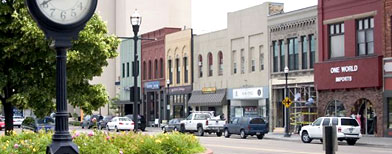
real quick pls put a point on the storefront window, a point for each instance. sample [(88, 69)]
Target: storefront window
[(390, 113), (335, 109)]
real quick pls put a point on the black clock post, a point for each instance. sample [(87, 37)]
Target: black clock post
[(61, 36)]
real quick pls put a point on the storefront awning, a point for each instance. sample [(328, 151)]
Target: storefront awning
[(210, 99)]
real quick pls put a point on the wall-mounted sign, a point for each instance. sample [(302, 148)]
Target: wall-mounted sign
[(388, 67), (209, 90), (151, 85), (344, 69), (248, 93)]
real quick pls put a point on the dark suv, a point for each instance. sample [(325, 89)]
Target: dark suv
[(102, 123), (88, 121), (141, 121), (245, 126)]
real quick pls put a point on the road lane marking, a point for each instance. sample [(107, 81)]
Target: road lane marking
[(261, 149)]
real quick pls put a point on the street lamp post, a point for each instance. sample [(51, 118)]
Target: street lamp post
[(136, 20), (167, 98), (287, 121)]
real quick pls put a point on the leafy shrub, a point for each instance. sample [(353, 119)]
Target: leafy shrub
[(105, 143), (74, 123)]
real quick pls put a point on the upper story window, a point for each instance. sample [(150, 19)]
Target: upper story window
[(304, 52), (242, 61), (156, 69), (169, 63), (161, 68), (144, 70), (282, 55), (200, 66), (293, 53), (186, 70), (365, 39), (127, 69), (275, 54), (149, 69), (261, 58), (178, 72), (220, 63), (210, 61), (234, 60), (336, 37), (123, 70), (252, 59), (312, 50)]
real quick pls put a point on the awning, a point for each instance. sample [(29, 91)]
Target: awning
[(210, 99)]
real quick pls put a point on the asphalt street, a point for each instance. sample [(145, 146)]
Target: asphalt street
[(252, 145)]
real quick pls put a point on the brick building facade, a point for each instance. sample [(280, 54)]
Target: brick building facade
[(348, 76), (387, 40)]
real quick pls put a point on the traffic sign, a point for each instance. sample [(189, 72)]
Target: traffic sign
[(287, 102)]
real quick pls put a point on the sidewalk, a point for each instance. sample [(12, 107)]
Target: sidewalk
[(364, 141)]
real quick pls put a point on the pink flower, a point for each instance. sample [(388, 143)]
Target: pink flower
[(91, 134), (16, 146), (73, 136), (121, 152), (107, 137), (77, 134)]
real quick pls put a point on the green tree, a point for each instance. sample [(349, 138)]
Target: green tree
[(27, 64)]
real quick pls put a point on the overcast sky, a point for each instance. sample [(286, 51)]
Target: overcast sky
[(211, 15)]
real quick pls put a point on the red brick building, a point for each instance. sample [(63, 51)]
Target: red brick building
[(153, 73), (349, 75), (388, 67)]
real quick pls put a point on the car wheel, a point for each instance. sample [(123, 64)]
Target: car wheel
[(227, 134), (261, 136), (19, 126), (305, 137), (107, 128), (99, 127), (164, 130), (321, 140), (242, 134), (219, 134), (176, 129), (82, 126), (351, 141), (116, 129), (200, 131)]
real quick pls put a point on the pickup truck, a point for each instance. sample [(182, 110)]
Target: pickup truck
[(202, 122)]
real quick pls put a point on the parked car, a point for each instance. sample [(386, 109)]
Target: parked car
[(2, 124), (36, 124), (245, 126), (347, 129), (142, 123), (18, 121), (120, 123), (173, 125), (102, 123), (203, 121), (88, 121)]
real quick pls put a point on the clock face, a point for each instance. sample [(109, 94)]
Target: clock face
[(64, 11)]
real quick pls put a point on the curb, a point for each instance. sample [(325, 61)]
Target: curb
[(208, 151)]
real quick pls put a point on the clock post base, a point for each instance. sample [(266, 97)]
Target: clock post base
[(62, 147)]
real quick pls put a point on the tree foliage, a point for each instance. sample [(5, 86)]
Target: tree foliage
[(28, 64)]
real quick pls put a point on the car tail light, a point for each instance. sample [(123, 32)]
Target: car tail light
[(249, 127), (132, 123), (339, 129), (121, 123), (206, 122)]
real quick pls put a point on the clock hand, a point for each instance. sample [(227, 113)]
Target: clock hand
[(45, 2)]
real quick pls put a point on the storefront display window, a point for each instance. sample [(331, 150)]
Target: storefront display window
[(335, 108), (238, 112)]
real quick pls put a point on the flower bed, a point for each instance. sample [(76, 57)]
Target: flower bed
[(105, 143)]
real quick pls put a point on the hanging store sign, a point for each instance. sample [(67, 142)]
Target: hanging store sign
[(151, 85)]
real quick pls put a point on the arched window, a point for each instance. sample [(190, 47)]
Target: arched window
[(200, 66), (220, 62), (335, 108), (161, 68), (156, 69), (144, 70), (210, 64), (149, 69)]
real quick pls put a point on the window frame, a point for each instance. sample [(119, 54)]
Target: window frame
[(185, 61), (210, 61), (200, 64), (282, 54), (336, 32), (123, 70), (312, 51), (170, 70), (362, 28), (220, 63), (304, 51), (178, 71), (161, 67), (275, 56)]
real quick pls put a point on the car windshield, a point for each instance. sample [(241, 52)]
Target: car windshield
[(124, 119), (18, 118), (107, 118), (257, 121), (45, 121), (349, 122)]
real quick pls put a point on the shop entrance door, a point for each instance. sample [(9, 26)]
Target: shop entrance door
[(366, 116)]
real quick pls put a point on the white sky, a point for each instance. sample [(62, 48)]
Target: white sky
[(211, 15)]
